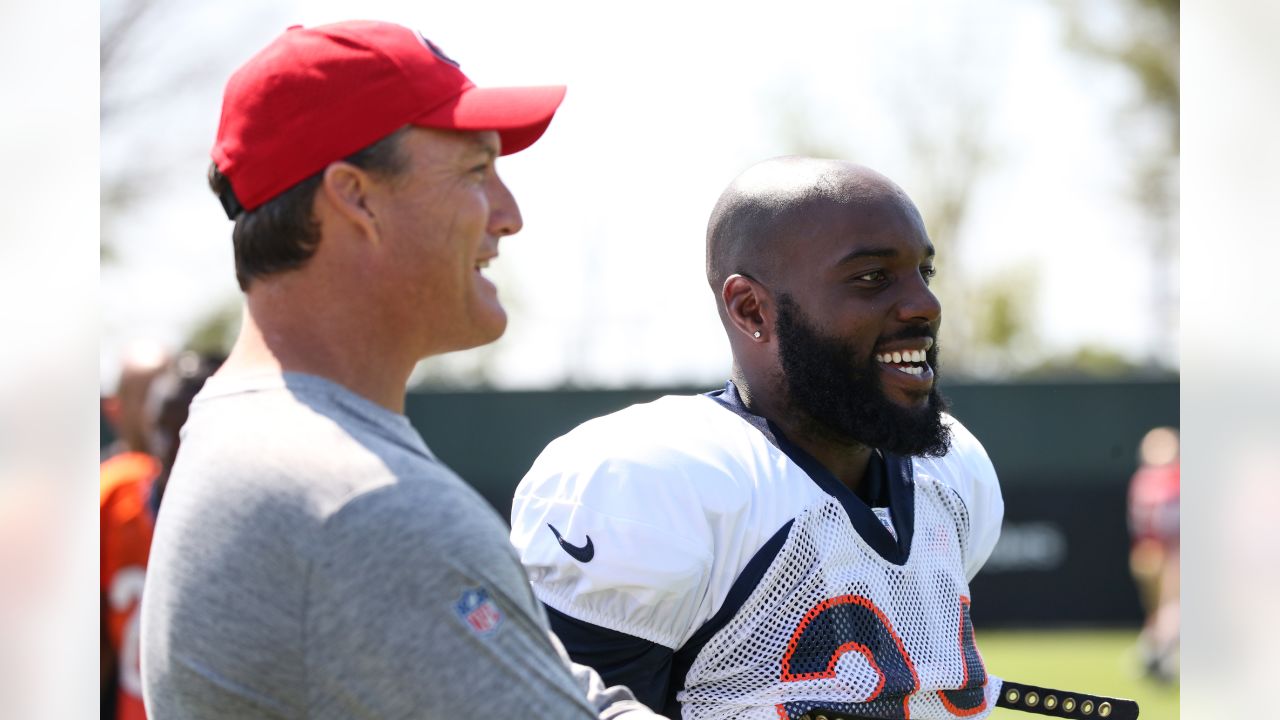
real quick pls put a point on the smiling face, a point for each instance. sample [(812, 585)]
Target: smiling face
[(840, 394), (440, 221), (857, 322)]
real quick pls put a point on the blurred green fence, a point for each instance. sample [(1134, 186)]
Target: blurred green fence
[(1064, 452)]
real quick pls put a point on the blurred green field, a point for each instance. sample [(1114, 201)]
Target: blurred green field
[(1098, 661)]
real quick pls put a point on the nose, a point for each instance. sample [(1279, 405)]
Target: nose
[(918, 303), (504, 213)]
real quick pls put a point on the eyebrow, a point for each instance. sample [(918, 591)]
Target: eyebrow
[(878, 253), (485, 147)]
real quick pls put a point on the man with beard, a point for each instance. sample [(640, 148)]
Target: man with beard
[(799, 543)]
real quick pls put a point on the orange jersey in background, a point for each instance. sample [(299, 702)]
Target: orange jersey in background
[(126, 525)]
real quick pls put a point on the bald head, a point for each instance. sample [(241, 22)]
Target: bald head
[(773, 203), (821, 271)]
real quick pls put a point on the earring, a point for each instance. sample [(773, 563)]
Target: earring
[(756, 334)]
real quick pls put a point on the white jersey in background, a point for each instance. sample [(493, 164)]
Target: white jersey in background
[(687, 549)]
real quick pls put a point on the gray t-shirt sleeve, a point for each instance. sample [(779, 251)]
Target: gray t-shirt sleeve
[(411, 614)]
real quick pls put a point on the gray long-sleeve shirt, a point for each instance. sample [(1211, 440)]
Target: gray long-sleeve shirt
[(313, 559)]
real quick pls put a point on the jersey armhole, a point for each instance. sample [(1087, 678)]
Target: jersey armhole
[(738, 594), (620, 659)]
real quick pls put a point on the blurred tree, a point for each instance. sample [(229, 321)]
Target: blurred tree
[(999, 309), (940, 102), (125, 25), (797, 133), (1140, 40), (943, 119), (1088, 360), (939, 98), (155, 58), (946, 157), (215, 332)]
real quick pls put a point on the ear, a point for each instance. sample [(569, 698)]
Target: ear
[(346, 189), (748, 306)]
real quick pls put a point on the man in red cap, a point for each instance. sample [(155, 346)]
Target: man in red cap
[(313, 558)]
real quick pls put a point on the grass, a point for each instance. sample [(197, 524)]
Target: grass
[(1103, 662)]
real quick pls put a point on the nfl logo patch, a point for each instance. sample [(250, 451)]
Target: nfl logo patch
[(478, 611)]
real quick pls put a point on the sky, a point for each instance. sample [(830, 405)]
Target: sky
[(667, 102)]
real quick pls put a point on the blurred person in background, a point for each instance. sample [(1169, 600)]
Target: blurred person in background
[(142, 361), (314, 558), (1153, 555), (126, 471), (130, 488)]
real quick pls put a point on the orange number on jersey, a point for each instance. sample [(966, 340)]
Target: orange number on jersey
[(854, 623), (970, 699)]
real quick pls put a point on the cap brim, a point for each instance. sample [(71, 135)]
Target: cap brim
[(519, 114)]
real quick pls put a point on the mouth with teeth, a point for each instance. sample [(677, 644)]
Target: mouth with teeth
[(482, 280), (909, 361)]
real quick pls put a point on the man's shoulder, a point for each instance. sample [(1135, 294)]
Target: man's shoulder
[(965, 456), (434, 502), (639, 521), (966, 469), (968, 472), (275, 448), (670, 468)]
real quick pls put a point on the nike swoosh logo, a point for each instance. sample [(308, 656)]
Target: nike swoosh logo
[(582, 554)]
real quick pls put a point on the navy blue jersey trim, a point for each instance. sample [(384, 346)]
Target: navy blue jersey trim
[(731, 400), (742, 588), (619, 658), (888, 484)]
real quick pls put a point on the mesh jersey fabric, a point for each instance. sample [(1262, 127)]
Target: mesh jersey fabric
[(832, 624), (679, 495)]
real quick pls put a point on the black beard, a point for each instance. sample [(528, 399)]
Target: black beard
[(840, 395)]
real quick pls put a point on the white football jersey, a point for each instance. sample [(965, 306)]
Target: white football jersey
[(692, 524)]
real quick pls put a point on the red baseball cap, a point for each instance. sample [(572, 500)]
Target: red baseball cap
[(317, 95)]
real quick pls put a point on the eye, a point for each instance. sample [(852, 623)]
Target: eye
[(927, 272), (480, 172), (875, 276)]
